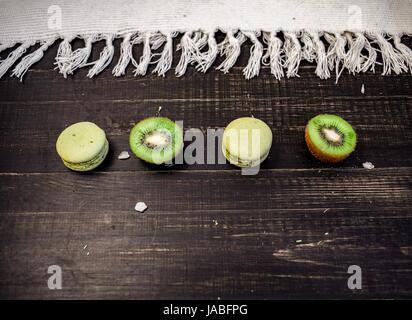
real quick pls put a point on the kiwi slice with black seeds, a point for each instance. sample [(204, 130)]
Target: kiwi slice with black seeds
[(330, 138), (156, 140)]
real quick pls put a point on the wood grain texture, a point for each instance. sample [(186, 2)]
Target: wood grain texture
[(289, 232), (216, 190), (247, 254), (215, 86), (383, 127)]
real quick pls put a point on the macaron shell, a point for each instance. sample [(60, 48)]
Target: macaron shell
[(251, 129), (81, 142)]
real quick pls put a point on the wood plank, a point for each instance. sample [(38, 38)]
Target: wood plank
[(194, 86), (383, 127), (196, 190), (207, 254), (209, 232)]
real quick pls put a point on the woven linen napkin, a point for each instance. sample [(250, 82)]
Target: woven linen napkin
[(337, 35)]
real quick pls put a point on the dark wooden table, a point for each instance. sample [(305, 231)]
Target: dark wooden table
[(291, 231)]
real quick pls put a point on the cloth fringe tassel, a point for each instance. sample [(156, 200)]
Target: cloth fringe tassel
[(275, 54), (106, 57), (282, 51), (68, 61), (24, 65), (13, 56)]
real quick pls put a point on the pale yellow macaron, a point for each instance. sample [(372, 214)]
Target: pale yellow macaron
[(246, 142), (82, 146)]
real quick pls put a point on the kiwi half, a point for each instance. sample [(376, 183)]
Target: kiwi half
[(156, 140), (330, 138)]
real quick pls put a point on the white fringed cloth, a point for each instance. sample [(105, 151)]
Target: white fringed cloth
[(337, 35)]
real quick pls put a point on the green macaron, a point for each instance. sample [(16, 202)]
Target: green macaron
[(246, 142), (82, 146)]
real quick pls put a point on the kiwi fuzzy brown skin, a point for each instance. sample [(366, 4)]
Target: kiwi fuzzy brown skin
[(317, 153)]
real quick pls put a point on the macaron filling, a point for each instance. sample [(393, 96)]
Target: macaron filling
[(90, 164), (244, 163)]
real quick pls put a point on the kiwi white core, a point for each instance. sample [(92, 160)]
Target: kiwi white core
[(157, 139), (332, 136)]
